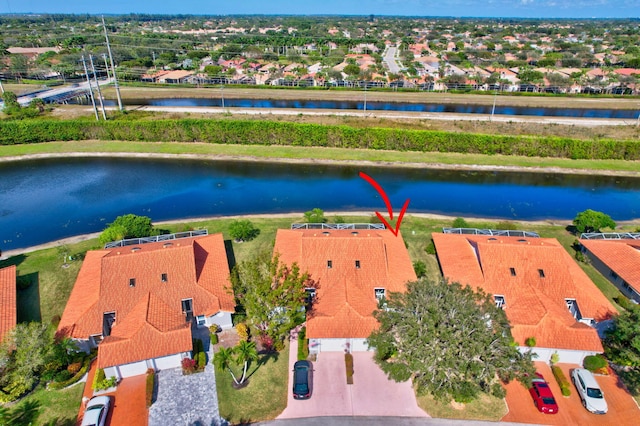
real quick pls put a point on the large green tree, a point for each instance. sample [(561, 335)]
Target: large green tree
[(453, 342), (127, 226), (243, 230), (272, 293), (622, 347), (23, 355), (593, 221)]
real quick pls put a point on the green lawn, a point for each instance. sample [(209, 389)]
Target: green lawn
[(486, 407), (263, 398), (54, 408), (318, 153)]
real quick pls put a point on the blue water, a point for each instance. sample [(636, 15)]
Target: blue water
[(45, 200), (386, 106)]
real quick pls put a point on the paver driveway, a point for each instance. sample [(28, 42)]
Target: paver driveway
[(622, 408), (371, 394)]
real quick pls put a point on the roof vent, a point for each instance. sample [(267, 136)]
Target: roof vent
[(326, 233), (354, 233), (522, 240), (492, 239), (165, 245), (135, 249)]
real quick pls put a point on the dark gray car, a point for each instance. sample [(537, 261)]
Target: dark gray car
[(302, 379)]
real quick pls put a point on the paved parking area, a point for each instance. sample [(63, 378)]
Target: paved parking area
[(371, 394), (622, 408)]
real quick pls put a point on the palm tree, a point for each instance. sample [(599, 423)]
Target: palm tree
[(245, 352), (222, 361)]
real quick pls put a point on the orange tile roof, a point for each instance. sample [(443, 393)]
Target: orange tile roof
[(621, 256), (196, 269), (535, 305), (151, 330), (8, 310), (345, 297)]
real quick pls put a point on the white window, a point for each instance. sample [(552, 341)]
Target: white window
[(572, 305), (201, 320), (500, 302), (379, 293)]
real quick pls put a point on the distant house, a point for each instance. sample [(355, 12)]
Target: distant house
[(8, 309), (153, 78), (138, 303), (354, 270), (618, 260), (175, 77), (544, 293)]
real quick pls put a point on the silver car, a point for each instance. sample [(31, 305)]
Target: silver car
[(589, 391), (96, 412)]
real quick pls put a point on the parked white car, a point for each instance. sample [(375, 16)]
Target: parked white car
[(589, 391), (96, 412)]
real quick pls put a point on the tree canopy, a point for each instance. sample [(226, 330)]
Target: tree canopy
[(127, 226), (243, 230), (452, 341), (315, 216), (593, 221), (622, 347), (273, 294)]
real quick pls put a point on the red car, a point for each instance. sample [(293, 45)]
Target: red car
[(542, 396)]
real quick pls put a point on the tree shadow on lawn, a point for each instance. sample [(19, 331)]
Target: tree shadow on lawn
[(263, 360), (28, 298)]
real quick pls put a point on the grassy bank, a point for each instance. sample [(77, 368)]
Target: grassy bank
[(382, 157)]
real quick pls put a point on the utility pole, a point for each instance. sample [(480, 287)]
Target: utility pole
[(493, 109), (106, 65), (104, 114), (1, 87), (93, 101), (365, 97), (113, 68)]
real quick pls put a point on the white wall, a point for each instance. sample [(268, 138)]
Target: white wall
[(566, 355), (338, 345), (141, 367), (223, 319)]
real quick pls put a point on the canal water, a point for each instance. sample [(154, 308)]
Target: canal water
[(45, 200), (385, 106)]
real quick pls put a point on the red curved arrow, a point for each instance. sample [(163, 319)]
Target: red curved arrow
[(383, 194)]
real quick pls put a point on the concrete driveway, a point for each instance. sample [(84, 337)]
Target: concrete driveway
[(622, 408), (371, 394)]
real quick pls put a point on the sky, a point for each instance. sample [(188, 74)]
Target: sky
[(456, 8)]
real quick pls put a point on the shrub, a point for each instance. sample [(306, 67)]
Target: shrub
[(150, 385), (238, 318), (459, 222), (74, 367), (243, 331), (594, 363), (625, 303), (243, 230), (98, 379), (266, 342), (583, 258), (530, 342), (420, 268), (214, 328), (188, 365), (278, 345), (79, 374), (431, 248), (303, 344), (348, 362), (214, 338), (555, 357), (201, 359), (565, 386), (62, 376)]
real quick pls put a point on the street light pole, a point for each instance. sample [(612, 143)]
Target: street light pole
[(493, 109), (365, 97), (222, 95)]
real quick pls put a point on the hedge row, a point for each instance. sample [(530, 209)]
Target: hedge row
[(565, 386), (76, 377), (303, 344), (297, 134)]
